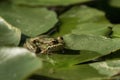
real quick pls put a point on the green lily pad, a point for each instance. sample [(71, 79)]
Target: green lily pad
[(116, 31), (9, 35), (115, 3), (31, 21), (17, 63), (98, 44), (95, 71), (70, 58), (82, 15), (93, 28), (49, 2)]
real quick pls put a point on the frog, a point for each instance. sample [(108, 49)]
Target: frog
[(44, 44)]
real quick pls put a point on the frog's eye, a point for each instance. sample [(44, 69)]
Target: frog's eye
[(60, 38), (55, 41)]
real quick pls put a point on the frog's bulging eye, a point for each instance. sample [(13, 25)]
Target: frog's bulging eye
[(55, 41), (60, 38)]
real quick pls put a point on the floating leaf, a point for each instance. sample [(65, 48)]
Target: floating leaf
[(9, 35), (93, 28), (81, 16), (94, 71), (17, 63), (115, 3), (49, 2), (70, 58), (31, 21), (98, 44), (116, 31)]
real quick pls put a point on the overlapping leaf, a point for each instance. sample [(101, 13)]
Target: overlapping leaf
[(96, 71), (115, 3), (17, 63), (86, 17), (9, 35), (93, 28), (71, 57), (31, 21), (98, 44)]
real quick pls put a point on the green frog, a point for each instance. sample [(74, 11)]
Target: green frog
[(44, 44)]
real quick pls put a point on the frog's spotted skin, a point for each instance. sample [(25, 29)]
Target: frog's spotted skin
[(44, 44)]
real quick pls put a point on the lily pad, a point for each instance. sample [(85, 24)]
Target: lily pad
[(9, 35), (115, 3), (79, 16), (70, 58), (49, 2), (98, 44), (116, 31), (17, 63), (31, 21), (93, 28), (95, 71)]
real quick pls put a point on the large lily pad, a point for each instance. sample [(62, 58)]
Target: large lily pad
[(9, 35), (31, 21), (82, 15), (98, 44), (17, 63), (96, 71), (48, 2)]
